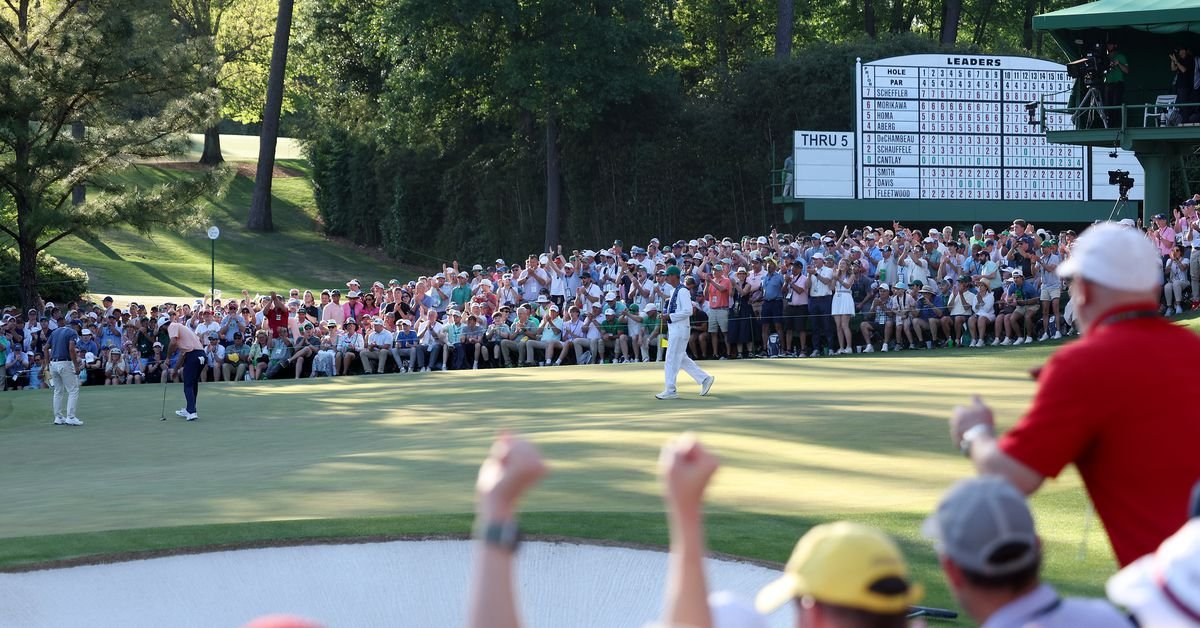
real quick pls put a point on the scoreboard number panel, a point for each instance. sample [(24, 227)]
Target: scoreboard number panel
[(955, 127)]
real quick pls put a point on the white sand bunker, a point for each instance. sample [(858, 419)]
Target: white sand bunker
[(401, 583)]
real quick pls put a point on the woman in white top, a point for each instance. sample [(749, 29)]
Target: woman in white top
[(961, 305), (843, 305), (506, 292), (905, 309), (983, 313)]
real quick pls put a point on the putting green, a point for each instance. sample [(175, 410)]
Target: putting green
[(801, 441)]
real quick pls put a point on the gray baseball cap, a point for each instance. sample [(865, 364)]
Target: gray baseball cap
[(979, 516)]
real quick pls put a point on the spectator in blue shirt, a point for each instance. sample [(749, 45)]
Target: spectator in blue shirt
[(403, 344), (772, 306)]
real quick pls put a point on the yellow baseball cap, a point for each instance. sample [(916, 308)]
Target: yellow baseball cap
[(844, 564)]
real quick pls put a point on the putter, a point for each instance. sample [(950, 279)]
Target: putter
[(163, 415)]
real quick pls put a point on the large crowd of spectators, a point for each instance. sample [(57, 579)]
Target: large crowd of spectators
[(776, 295)]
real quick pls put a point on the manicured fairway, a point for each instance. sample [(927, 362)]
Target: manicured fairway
[(170, 266), (801, 441)]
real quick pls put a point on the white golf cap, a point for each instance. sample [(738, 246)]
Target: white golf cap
[(1116, 257), (543, 260), (610, 312), (610, 296), (650, 307), (762, 239), (1163, 588), (163, 320), (818, 256)]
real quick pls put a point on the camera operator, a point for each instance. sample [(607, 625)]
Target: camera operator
[(1183, 64), (1114, 82)]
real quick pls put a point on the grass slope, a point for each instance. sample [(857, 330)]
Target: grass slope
[(801, 442), (178, 265)]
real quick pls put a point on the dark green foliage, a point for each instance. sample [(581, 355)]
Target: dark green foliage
[(57, 282), (431, 125), (86, 87)]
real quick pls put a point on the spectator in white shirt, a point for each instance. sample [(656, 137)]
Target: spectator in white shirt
[(378, 348)]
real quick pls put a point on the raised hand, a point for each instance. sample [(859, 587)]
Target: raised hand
[(685, 468), (512, 467)]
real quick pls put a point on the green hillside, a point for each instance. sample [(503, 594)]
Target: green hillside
[(169, 264)]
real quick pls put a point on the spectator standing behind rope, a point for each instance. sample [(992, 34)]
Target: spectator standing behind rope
[(64, 372), (191, 351), (679, 314), (1134, 448)]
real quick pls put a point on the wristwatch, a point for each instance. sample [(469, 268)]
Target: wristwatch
[(504, 535), (970, 435)]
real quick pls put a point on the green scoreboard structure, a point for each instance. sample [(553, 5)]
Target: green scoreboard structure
[(951, 138)]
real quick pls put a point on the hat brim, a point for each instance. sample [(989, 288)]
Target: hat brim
[(777, 593)]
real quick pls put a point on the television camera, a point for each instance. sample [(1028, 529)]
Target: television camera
[(1091, 68)]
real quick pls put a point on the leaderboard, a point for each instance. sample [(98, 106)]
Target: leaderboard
[(955, 127)]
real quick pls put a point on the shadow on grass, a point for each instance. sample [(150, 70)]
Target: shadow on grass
[(158, 274), (104, 249)]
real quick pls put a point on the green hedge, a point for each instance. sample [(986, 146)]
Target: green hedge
[(57, 281)]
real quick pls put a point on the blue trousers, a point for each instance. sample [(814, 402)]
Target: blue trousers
[(191, 377), (821, 310)]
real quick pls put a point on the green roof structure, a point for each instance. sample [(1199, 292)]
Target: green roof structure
[(1154, 16), (1145, 31)]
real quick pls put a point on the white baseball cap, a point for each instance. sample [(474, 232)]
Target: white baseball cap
[(610, 312), (818, 256), (1116, 257), (1164, 587)]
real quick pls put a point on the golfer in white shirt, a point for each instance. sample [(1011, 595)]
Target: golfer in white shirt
[(678, 310)]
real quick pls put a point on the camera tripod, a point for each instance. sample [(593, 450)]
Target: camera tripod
[(1119, 206), (1089, 109)]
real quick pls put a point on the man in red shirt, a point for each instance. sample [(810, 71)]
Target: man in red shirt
[(277, 316), (1099, 402), (717, 292)]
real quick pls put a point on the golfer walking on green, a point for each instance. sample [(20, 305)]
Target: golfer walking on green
[(679, 329)]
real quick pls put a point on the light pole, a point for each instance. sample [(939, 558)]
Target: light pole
[(213, 234)]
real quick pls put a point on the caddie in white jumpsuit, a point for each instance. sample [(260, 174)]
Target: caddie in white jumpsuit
[(678, 310)]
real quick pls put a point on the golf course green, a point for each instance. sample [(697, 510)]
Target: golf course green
[(800, 442)]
